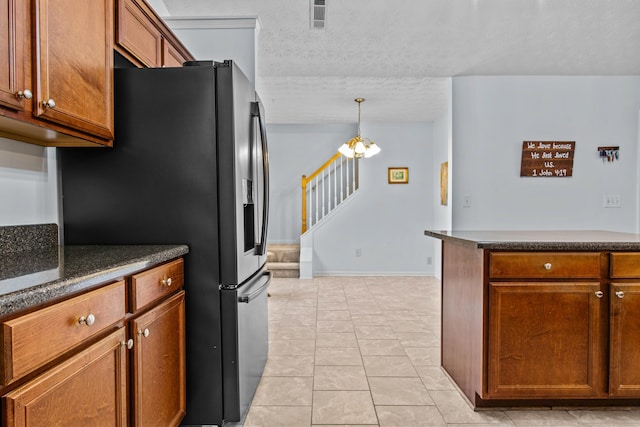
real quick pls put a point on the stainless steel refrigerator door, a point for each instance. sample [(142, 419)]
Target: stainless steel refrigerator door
[(245, 346), (239, 184)]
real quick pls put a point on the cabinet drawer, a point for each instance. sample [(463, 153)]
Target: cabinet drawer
[(625, 265), (156, 283), (36, 338), (544, 265)]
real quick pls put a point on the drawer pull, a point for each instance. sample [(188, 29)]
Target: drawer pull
[(547, 266), (88, 320), (144, 333), (620, 294), (26, 94), (166, 282), (128, 343), (50, 103), (599, 294)]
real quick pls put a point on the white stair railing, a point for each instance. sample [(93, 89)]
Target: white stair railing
[(327, 187)]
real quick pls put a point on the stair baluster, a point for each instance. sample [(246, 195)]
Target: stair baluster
[(317, 198)]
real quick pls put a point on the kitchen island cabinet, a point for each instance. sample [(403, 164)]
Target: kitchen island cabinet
[(625, 325), (541, 318)]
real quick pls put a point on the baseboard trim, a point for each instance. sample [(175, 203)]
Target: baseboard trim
[(375, 273)]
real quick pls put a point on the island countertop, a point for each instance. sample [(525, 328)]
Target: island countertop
[(541, 240)]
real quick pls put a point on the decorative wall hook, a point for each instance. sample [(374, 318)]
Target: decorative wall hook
[(609, 153)]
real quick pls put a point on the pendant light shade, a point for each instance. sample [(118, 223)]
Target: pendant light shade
[(358, 146)]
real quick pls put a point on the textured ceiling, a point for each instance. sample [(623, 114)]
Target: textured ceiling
[(398, 54)]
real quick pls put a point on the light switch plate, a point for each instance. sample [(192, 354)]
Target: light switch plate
[(611, 201)]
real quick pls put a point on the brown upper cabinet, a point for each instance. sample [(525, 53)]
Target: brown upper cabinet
[(12, 68), (74, 64), (56, 87), (144, 39), (56, 65)]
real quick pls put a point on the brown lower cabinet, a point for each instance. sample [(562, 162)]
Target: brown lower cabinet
[(547, 327), (89, 389), (159, 365), (545, 340), (129, 371), (624, 379)]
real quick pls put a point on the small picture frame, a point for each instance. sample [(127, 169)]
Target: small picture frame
[(398, 175)]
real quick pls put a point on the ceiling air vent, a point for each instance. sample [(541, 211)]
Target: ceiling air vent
[(318, 13)]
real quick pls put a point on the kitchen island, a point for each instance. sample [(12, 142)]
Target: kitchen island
[(541, 318)]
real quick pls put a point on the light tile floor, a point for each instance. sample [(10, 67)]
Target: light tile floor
[(365, 351)]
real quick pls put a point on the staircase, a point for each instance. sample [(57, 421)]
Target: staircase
[(323, 193), (283, 260)]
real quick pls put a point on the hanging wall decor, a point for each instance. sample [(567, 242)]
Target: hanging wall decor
[(609, 153), (444, 182), (547, 158), (398, 175)]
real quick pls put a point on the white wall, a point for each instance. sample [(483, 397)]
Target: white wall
[(296, 150), (219, 39), (28, 184), (386, 221), (159, 7), (442, 149), (492, 116)]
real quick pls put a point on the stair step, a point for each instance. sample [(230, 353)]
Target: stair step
[(283, 265), (284, 269), (283, 253)]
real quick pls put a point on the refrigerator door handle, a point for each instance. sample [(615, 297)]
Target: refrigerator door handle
[(257, 111), (255, 292)]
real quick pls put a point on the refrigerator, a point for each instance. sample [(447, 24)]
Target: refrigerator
[(189, 166)]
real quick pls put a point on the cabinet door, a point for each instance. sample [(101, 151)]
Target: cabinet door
[(12, 39), (170, 55), (87, 390), (546, 340), (625, 340), (74, 64), (159, 365), (137, 34)]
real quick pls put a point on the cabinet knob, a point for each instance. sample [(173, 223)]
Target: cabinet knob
[(144, 333), (599, 294), (166, 282), (620, 294), (27, 94), (547, 266), (88, 320), (128, 343), (49, 104)]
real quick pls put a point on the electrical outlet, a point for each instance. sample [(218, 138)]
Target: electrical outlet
[(466, 203), (429, 260), (611, 201), (358, 252)]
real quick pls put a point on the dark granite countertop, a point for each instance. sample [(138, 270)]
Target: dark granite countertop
[(570, 240), (33, 277)]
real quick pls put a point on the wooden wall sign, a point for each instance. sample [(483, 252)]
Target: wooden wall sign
[(547, 158)]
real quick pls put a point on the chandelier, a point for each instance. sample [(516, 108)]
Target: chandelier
[(358, 146)]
